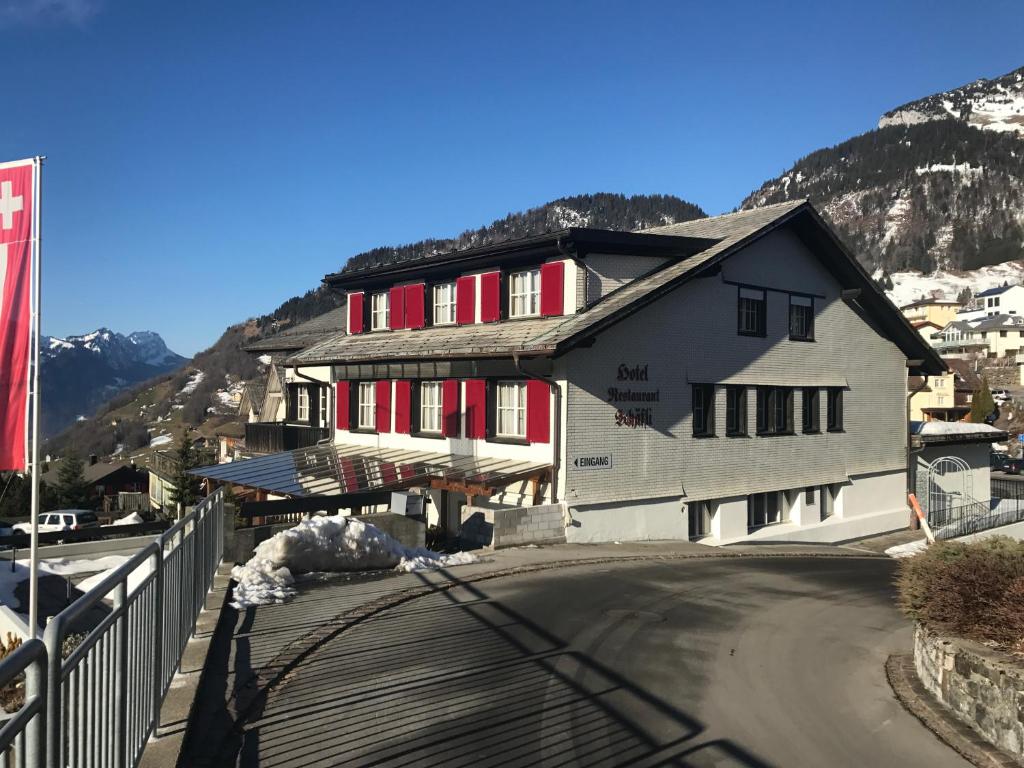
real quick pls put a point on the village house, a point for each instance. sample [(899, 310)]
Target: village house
[(736, 377), (1002, 300), (944, 397), (280, 416), (1001, 335), (935, 311)]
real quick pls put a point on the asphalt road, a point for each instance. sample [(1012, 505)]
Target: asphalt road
[(719, 662)]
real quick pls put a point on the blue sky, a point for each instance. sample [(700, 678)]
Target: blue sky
[(208, 160)]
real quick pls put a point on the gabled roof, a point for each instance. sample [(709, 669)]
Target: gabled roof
[(932, 303), (966, 379), (1001, 322), (994, 291), (722, 236), (303, 334)]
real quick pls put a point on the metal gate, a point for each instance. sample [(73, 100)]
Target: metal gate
[(949, 485)]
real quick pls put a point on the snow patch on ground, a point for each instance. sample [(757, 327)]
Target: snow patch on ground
[(265, 359), (327, 543), (160, 440), (193, 381), (133, 519), (910, 286)]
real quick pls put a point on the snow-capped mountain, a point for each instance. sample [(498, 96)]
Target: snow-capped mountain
[(940, 185), (992, 105), (80, 373), (145, 347)]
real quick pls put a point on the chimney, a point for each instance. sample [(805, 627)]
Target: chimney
[(92, 459)]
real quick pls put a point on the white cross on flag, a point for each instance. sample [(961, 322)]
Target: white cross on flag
[(16, 241)]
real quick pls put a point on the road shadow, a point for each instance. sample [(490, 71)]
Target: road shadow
[(456, 678)]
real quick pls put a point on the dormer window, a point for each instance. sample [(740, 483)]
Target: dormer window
[(444, 303), (380, 310), (524, 293)]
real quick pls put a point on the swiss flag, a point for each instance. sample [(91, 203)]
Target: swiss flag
[(15, 318)]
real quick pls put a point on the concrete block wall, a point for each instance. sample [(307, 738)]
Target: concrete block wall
[(513, 526), (981, 686)]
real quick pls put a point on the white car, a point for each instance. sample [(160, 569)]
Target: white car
[(61, 520)]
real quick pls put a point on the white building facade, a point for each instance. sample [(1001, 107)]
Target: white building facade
[(728, 379)]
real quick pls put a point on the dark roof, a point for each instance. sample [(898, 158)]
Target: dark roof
[(1001, 322), (993, 291), (721, 235), (964, 375), (931, 302), (577, 240), (303, 334), (93, 473)]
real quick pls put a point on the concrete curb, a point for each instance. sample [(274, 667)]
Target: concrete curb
[(919, 702), (252, 694)]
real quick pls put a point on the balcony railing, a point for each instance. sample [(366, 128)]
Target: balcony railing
[(275, 436)]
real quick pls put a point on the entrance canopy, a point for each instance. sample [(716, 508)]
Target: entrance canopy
[(324, 470)]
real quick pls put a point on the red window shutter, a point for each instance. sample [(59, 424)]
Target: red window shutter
[(403, 400), (396, 309), (414, 305), (476, 409), (383, 414), (450, 408), (348, 473), (341, 406), (355, 312), (538, 411), (552, 278), (465, 300), (490, 297)]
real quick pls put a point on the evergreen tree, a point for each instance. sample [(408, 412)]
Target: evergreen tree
[(982, 404), (965, 295), (187, 488), (16, 496), (72, 490)]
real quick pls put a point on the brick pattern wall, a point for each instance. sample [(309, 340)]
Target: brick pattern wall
[(690, 336), (513, 526), (606, 273), (981, 686)]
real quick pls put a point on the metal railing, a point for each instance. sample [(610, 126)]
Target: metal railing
[(108, 668), (276, 436), (1004, 508), (22, 735)]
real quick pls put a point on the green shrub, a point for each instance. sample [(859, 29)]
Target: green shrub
[(972, 590)]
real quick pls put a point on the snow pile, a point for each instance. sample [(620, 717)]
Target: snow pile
[(909, 549), (160, 440), (133, 519), (327, 543), (954, 428)]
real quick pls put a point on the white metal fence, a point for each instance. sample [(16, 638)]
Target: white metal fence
[(95, 684)]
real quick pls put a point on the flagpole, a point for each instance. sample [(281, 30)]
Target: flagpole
[(33, 604)]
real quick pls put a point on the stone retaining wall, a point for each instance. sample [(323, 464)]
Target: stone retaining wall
[(513, 526), (983, 687)]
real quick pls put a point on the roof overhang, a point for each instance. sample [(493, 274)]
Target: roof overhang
[(577, 242), (338, 469)]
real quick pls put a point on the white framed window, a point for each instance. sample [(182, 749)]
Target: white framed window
[(443, 296), (511, 409), (367, 405), (323, 407), (524, 293), (380, 311), (430, 406), (302, 410)]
